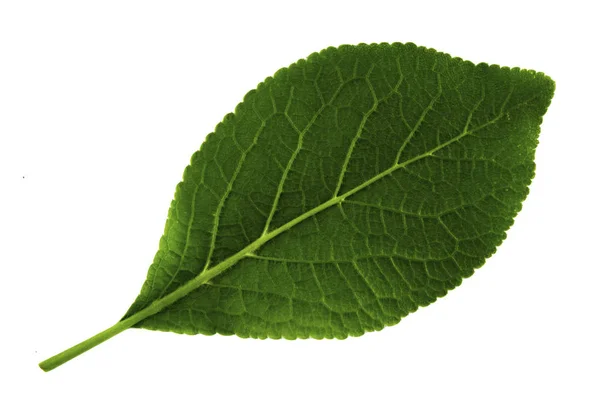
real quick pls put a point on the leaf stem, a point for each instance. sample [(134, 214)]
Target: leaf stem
[(63, 357), (158, 305)]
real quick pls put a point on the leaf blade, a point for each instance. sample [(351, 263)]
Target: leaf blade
[(348, 296)]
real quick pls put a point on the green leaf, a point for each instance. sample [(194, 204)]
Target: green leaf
[(343, 193)]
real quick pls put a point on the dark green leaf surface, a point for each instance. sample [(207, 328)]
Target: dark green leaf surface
[(345, 192)]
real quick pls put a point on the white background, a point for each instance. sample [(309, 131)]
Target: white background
[(101, 106)]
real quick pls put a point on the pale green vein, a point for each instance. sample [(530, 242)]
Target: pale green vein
[(297, 150), (351, 290), (421, 118), (392, 210), (187, 242), (227, 192), (369, 285), (359, 131), (314, 273)]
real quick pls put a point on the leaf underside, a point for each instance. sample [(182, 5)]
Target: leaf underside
[(346, 191)]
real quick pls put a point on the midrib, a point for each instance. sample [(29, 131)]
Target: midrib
[(223, 266)]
